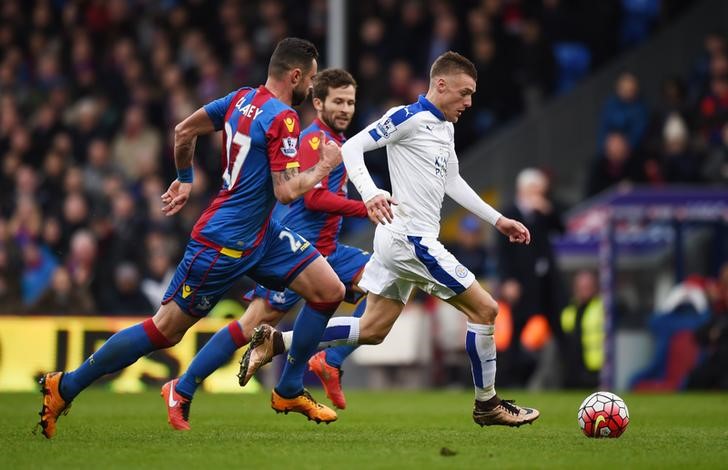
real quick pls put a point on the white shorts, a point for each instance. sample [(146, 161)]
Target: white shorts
[(401, 262)]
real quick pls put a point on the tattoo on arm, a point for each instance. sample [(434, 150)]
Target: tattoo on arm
[(280, 177)]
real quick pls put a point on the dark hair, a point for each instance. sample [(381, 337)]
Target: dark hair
[(291, 53), (450, 63), (331, 78)]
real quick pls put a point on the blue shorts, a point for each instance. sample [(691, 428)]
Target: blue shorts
[(347, 263), (205, 273)]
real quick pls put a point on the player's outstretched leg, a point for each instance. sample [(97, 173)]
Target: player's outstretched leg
[(323, 291), (326, 365), (289, 394), (121, 350), (178, 393)]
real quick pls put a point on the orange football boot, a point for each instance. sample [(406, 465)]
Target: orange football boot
[(304, 404), (53, 403), (178, 407), (330, 378)]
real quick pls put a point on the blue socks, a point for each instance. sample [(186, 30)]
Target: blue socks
[(307, 331), (118, 352), (212, 356), (337, 355)]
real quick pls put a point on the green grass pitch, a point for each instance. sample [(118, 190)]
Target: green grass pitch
[(379, 430)]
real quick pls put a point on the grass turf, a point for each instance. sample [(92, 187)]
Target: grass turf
[(379, 430)]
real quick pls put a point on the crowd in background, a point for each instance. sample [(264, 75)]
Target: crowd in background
[(682, 139), (90, 91)]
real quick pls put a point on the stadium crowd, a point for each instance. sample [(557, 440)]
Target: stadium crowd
[(90, 91)]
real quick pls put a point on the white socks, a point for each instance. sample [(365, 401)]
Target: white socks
[(480, 345), (339, 331)]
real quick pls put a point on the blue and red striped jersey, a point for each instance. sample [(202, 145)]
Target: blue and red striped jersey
[(260, 135), (319, 214)]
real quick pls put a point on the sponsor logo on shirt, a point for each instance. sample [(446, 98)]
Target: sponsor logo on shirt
[(289, 147), (441, 164), (290, 123), (386, 128), (314, 143)]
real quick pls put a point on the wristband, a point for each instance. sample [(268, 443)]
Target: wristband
[(184, 175)]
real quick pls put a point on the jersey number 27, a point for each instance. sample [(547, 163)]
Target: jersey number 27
[(237, 150)]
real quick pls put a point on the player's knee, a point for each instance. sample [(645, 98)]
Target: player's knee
[(486, 311), (331, 293)]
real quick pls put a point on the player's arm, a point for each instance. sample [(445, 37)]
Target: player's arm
[(320, 198), (323, 200), (290, 184), (205, 120), (461, 192), (378, 134), (185, 138)]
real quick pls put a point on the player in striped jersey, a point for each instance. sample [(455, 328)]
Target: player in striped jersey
[(234, 236)]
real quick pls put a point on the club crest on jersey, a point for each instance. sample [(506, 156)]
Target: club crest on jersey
[(289, 146), (386, 128), (186, 291), (461, 271), (314, 143), (290, 123)]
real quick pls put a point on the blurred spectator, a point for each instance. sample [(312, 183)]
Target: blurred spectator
[(128, 227), (136, 149), (98, 166), (62, 297), (38, 267), (535, 66), (715, 168), (617, 165), (469, 246), (625, 112), (583, 327), (10, 266), (160, 272), (713, 111), (128, 298), (714, 45), (680, 164), (82, 265), (530, 279)]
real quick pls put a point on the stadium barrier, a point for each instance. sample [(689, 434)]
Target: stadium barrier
[(30, 346)]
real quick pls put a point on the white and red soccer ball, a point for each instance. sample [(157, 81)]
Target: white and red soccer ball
[(603, 414)]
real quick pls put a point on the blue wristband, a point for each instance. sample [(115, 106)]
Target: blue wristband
[(184, 175)]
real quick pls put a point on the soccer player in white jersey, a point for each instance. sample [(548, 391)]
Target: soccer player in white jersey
[(423, 168)]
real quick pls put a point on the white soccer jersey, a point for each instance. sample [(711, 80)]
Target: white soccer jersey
[(423, 166)]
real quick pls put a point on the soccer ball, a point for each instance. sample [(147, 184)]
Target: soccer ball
[(603, 414)]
